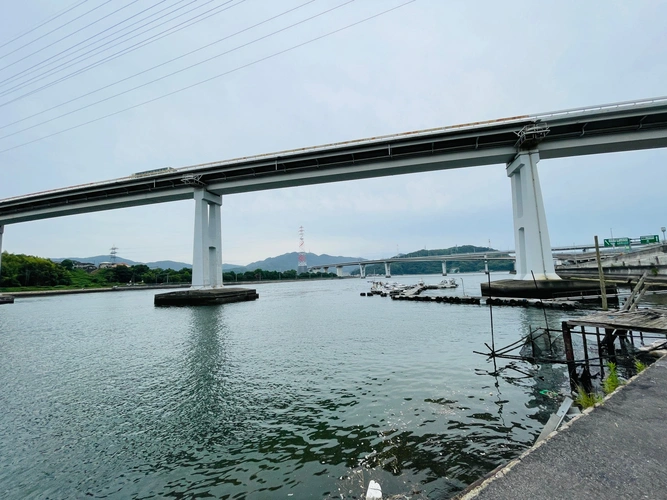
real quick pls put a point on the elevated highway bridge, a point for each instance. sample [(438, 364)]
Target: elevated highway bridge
[(517, 142)]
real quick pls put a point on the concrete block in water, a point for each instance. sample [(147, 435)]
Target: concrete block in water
[(205, 297)]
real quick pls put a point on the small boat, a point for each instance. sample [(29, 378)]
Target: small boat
[(450, 283)]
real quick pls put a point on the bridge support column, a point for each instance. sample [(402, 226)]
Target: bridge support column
[(531, 235), (2, 230), (207, 248), (362, 271), (387, 269), (326, 270), (339, 271), (444, 268)]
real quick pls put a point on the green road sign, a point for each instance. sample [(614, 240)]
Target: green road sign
[(653, 238), (617, 242)]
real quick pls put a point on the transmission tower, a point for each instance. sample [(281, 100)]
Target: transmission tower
[(113, 252), (302, 267)]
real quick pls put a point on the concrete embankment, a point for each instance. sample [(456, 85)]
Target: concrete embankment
[(43, 293), (615, 450), (620, 267)]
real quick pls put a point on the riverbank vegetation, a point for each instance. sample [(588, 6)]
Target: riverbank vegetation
[(26, 272)]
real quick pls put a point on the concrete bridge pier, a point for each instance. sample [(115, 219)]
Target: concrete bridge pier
[(362, 271), (387, 269), (339, 271), (207, 248), (326, 270), (2, 230), (531, 235), (207, 286), (444, 268), (535, 274)]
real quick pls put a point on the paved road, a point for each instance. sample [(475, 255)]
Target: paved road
[(618, 451)]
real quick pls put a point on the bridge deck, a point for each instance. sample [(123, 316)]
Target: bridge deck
[(616, 127)]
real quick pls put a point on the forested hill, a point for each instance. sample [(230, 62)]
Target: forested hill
[(436, 267)]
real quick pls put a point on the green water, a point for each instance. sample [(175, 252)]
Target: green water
[(308, 392)]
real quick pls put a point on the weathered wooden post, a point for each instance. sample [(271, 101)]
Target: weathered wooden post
[(603, 287), (569, 356)]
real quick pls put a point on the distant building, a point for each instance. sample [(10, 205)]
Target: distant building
[(110, 265), (86, 266)]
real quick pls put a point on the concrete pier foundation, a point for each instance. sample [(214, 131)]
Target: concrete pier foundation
[(541, 289), (205, 297)]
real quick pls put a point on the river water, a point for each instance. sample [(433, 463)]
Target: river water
[(308, 392)]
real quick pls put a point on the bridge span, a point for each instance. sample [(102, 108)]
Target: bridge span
[(518, 142), (443, 259)]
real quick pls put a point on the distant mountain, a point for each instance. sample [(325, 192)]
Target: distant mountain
[(98, 259), (288, 261), (280, 263), (169, 264)]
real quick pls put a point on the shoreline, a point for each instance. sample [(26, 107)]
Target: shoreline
[(120, 288)]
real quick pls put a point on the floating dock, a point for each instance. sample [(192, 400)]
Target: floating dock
[(492, 301), (205, 297)]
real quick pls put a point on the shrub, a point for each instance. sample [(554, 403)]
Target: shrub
[(612, 382), (587, 399)]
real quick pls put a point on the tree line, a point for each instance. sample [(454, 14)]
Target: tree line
[(25, 271)]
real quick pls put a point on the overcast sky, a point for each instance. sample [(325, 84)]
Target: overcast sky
[(427, 64)]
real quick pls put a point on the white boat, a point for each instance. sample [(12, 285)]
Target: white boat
[(450, 283)]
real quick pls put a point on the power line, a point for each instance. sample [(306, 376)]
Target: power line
[(17, 75), (220, 75), (72, 63), (179, 71), (55, 29), (158, 66), (47, 21), (55, 70), (68, 35)]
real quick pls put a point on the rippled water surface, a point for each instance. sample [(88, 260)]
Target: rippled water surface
[(308, 392)]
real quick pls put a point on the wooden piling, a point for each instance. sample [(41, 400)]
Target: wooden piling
[(603, 288), (569, 356)]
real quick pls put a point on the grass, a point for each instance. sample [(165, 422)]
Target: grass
[(612, 382), (639, 366), (587, 399)]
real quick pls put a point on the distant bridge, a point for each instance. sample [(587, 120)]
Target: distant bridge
[(443, 259), (518, 142)]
